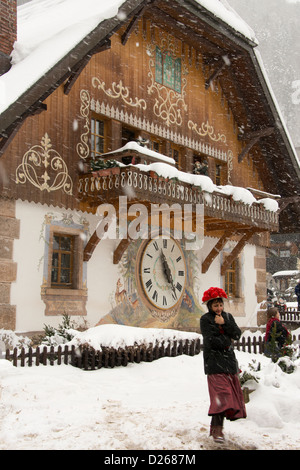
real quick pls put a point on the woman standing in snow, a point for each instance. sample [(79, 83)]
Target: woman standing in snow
[(220, 365)]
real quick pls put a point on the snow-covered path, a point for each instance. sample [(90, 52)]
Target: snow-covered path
[(154, 406)]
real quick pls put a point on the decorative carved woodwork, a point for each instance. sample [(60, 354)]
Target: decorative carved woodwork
[(94, 190)]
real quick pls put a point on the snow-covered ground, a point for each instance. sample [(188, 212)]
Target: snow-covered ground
[(160, 405)]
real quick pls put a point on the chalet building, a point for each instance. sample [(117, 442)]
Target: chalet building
[(119, 109)]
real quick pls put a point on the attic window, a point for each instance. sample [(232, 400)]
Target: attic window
[(167, 70)]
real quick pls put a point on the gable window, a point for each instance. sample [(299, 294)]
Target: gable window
[(62, 261), (167, 70), (97, 137)]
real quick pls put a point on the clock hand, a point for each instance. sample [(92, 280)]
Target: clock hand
[(167, 272)]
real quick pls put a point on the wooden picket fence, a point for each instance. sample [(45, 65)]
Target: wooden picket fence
[(291, 315), (89, 359)]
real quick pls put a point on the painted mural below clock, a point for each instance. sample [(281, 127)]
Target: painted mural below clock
[(128, 307)]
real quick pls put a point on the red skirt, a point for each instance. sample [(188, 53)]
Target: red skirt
[(226, 396)]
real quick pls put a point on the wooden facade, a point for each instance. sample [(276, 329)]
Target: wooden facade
[(193, 92)]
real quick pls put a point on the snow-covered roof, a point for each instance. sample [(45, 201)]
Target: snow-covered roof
[(49, 29), (289, 273), (134, 146), (50, 32)]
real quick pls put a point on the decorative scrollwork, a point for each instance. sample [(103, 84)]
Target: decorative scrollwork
[(119, 91), (83, 148), (207, 130), (35, 166), (168, 101), (230, 166)]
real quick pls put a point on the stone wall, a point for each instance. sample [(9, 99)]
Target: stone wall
[(9, 231)]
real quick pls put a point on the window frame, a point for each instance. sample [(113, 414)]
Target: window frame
[(232, 287), (93, 136), (77, 268), (60, 252)]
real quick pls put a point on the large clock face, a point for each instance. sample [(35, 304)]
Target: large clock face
[(162, 272)]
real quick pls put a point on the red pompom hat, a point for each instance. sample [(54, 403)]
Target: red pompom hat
[(213, 293)]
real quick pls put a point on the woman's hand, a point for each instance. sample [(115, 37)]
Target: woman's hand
[(219, 320)]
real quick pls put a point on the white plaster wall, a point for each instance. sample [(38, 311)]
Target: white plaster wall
[(213, 278), (102, 274), (29, 252)]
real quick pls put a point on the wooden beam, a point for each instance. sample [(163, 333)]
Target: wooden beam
[(221, 64), (90, 246), (215, 251), (123, 245), (103, 46), (253, 135), (235, 252), (132, 25), (254, 138), (284, 202), (162, 19), (11, 131)]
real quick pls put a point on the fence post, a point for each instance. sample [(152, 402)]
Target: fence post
[(254, 345), (30, 356), (66, 353), (15, 357)]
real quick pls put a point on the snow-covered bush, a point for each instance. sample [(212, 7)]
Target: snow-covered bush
[(61, 335), (12, 340)]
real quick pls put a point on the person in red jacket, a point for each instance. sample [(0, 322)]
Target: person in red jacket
[(219, 330)]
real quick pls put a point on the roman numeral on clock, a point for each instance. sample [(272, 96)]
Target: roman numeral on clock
[(179, 287), (155, 296)]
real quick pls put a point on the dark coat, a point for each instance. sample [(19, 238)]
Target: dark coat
[(281, 332), (218, 351)]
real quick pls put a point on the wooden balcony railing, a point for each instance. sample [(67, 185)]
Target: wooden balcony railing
[(141, 186)]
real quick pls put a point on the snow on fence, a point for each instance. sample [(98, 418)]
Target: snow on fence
[(88, 358), (291, 314)]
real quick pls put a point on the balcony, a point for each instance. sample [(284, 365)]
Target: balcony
[(142, 185)]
